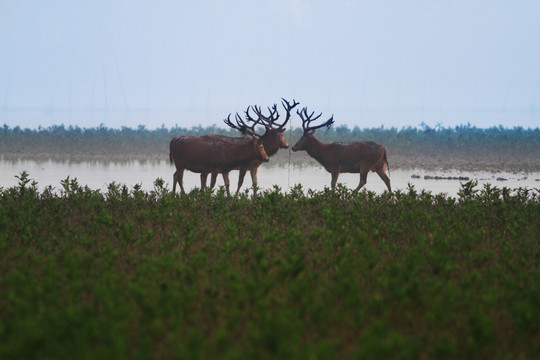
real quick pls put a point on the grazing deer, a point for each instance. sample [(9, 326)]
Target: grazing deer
[(206, 155), (342, 157), (272, 139)]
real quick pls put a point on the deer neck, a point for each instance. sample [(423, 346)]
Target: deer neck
[(270, 142), (318, 150)]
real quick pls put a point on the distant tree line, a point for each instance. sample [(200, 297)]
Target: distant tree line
[(465, 141)]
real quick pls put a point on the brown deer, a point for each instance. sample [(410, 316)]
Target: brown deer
[(272, 139), (342, 157), (207, 155)]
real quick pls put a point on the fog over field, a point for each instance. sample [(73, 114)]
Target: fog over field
[(370, 63)]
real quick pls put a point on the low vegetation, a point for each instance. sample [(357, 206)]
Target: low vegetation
[(126, 273)]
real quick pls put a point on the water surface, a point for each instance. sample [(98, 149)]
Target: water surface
[(98, 174)]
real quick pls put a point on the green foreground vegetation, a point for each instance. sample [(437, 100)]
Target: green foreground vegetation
[(129, 274)]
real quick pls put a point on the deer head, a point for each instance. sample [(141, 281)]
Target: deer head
[(309, 129), (273, 137), (257, 144)]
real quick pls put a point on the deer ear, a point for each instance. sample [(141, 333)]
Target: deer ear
[(282, 130)]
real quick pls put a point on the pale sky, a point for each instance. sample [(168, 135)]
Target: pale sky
[(370, 63)]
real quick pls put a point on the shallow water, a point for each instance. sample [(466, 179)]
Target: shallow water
[(97, 175)]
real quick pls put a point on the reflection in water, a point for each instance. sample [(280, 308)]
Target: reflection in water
[(97, 175)]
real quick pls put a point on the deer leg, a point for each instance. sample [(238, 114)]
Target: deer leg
[(226, 181), (213, 179), (253, 173), (174, 180), (382, 173), (335, 175), (179, 177), (241, 176), (363, 179), (204, 176)]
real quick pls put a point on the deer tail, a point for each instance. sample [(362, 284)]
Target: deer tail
[(386, 161)]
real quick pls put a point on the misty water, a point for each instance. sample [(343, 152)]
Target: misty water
[(98, 174)]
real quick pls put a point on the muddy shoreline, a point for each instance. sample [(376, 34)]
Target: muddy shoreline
[(436, 162), (401, 160)]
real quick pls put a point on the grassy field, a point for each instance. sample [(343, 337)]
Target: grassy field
[(306, 275)]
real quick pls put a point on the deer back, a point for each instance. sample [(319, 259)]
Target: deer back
[(212, 153)]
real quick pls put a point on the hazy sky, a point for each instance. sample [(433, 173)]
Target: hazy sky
[(370, 63)]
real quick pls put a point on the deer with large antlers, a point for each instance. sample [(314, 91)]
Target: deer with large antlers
[(342, 157), (272, 139), (204, 155)]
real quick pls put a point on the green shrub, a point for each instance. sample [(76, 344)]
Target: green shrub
[(333, 274)]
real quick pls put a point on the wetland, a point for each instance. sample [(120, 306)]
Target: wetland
[(123, 268)]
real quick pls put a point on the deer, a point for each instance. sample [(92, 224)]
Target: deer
[(272, 139), (342, 157), (204, 155)]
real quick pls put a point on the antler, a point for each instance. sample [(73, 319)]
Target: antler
[(270, 122), (307, 119), (288, 107), (262, 120), (241, 126)]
